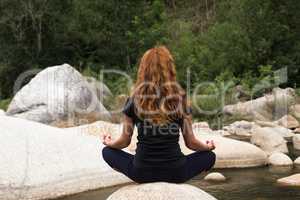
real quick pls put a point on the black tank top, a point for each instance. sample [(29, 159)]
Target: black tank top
[(157, 145)]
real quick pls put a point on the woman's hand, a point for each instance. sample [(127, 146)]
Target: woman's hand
[(210, 145), (106, 139)]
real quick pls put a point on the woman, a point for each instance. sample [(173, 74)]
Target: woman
[(158, 108)]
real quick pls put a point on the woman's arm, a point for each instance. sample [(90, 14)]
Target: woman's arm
[(125, 138), (191, 141)]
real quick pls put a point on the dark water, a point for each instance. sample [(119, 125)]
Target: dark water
[(252, 184), (241, 184)]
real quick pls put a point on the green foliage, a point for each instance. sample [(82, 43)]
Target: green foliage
[(298, 91), (97, 34), (258, 85), (4, 103), (222, 42)]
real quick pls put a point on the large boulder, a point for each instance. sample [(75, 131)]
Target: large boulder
[(286, 133), (248, 155), (293, 180), (296, 141), (160, 191), (59, 96), (269, 140), (280, 159), (267, 108), (100, 128), (43, 162)]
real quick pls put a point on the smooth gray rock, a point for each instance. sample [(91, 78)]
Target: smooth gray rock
[(273, 126), (230, 153), (248, 155), (293, 181), (267, 108), (269, 140), (38, 161), (280, 159), (286, 133), (160, 191), (58, 94)]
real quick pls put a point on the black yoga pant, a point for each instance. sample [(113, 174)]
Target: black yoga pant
[(196, 163)]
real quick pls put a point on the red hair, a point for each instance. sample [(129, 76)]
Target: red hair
[(157, 95)]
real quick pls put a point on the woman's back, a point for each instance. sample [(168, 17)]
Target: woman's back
[(157, 144)]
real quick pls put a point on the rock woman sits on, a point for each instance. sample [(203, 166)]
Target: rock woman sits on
[(158, 107)]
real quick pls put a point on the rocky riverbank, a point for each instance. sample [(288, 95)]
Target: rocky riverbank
[(41, 161)]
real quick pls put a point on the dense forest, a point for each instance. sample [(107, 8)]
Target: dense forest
[(241, 41)]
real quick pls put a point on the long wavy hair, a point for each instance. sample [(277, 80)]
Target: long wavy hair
[(157, 95)]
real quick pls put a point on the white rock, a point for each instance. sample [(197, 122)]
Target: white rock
[(58, 94), (248, 155), (296, 141), (293, 180), (160, 191), (286, 133), (288, 121), (215, 177), (280, 159), (267, 108), (43, 162), (227, 155), (297, 161), (269, 140), (2, 112)]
